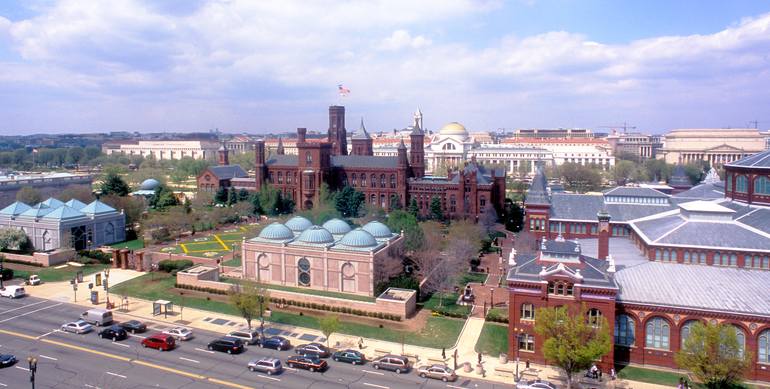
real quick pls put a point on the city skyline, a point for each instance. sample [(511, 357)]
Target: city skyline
[(70, 66)]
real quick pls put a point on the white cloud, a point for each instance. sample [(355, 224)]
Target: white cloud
[(401, 39)]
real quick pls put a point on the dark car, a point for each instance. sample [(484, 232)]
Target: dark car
[(316, 349), (227, 345), (275, 342), (307, 362), (134, 326), (349, 356), (162, 342), (7, 360), (115, 333), (397, 363)]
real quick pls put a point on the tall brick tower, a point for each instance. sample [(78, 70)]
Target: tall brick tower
[(259, 163), (338, 136), (604, 233), (361, 141), (224, 158), (417, 148)]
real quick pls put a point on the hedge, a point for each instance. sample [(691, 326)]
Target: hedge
[(36, 264), (497, 316), (304, 304), (172, 266), (98, 255), (6, 274)]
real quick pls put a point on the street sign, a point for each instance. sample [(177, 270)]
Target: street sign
[(94, 297)]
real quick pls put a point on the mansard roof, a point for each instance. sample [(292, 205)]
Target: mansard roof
[(538, 190), (756, 161), (226, 172), (592, 272), (584, 207)]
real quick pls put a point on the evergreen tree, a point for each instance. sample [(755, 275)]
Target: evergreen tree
[(436, 211), (243, 195), (163, 198), (221, 196), (413, 208), (395, 202), (232, 197), (256, 206), (348, 201), (399, 221), (113, 184)]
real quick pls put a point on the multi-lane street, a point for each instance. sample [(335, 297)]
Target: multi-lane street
[(30, 327)]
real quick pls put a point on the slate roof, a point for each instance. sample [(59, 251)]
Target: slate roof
[(282, 160), (703, 191), (679, 179), (226, 172), (538, 190), (714, 288), (594, 273), (561, 247), (628, 191), (566, 206), (759, 219), (756, 161), (655, 228)]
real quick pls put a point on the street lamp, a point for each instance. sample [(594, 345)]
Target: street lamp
[(518, 334), (32, 369), (491, 298)]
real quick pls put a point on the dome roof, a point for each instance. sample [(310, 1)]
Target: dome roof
[(378, 230), (316, 234), (358, 238), (453, 128), (298, 224), (149, 184), (276, 231), (337, 226)]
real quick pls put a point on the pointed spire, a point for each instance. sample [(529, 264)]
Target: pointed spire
[(361, 133), (279, 150), (538, 190), (401, 144)]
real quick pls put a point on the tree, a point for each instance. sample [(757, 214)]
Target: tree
[(488, 219), (14, 239), (250, 299), (580, 178), (163, 198), (75, 155), (399, 221), (348, 201), (428, 256), (78, 192), (243, 195), (28, 195), (256, 207), (695, 171), (232, 197), (329, 325), (395, 202), (713, 354), (113, 184), (623, 171), (513, 216), (221, 195), (132, 207), (413, 209), (436, 210), (570, 341), (658, 169)]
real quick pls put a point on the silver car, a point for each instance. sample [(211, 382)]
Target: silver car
[(179, 333), (268, 366), (535, 384), (438, 372), (78, 327)]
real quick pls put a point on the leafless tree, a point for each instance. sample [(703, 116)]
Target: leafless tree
[(488, 219)]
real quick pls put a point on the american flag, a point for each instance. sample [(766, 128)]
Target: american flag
[(342, 90)]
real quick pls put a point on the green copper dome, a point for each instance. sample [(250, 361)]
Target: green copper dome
[(298, 224), (337, 227), (316, 235), (358, 238), (378, 230), (276, 231)]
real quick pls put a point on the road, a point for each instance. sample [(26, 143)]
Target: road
[(29, 327)]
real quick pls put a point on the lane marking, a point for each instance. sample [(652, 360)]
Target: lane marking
[(137, 336), (115, 374), (47, 357), (188, 360), (21, 368), (91, 386), (2, 384), (170, 370), (372, 372), (121, 344), (48, 333), (30, 312), (22, 307), (205, 351), (452, 386), (376, 386), (268, 377), (72, 346), (20, 335)]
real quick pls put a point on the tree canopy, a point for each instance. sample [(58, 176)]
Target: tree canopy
[(436, 210), (348, 201), (399, 220), (114, 184), (250, 299), (714, 355), (28, 195)]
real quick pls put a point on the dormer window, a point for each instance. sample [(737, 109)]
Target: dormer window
[(560, 288)]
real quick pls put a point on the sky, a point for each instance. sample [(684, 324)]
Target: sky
[(269, 66)]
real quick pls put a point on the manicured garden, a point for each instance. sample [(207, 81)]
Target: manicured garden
[(493, 340), (52, 274), (472, 277), (446, 305), (135, 244)]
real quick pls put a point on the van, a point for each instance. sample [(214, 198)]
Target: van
[(397, 363), (97, 316), (13, 291), (248, 336)]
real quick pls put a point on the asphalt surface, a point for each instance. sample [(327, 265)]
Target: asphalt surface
[(30, 327)]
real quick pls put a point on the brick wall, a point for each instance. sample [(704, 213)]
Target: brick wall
[(46, 259)]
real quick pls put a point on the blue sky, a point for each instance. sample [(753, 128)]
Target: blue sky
[(269, 66)]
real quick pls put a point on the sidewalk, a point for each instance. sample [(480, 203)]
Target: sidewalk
[(221, 323)]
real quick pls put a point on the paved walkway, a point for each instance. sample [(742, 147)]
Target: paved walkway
[(221, 323)]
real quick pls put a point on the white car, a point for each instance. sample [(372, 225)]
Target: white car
[(13, 291), (78, 327), (179, 333)]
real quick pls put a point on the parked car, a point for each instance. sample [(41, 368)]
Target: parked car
[(227, 345), (307, 362), (349, 356), (97, 316), (276, 342), (13, 291), (162, 342), (535, 384), (78, 327), (115, 333), (246, 335), (268, 366), (34, 280), (397, 363), (179, 333), (439, 372), (316, 349), (133, 326), (7, 360)]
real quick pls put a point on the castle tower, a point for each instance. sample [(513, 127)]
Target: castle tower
[(259, 163), (417, 147), (338, 136), (604, 233), (362, 142), (224, 158), (402, 159)]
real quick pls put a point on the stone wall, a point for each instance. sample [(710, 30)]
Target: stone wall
[(52, 258)]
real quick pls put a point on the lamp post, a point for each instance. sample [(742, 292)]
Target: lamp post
[(74, 283), (107, 286), (1, 272), (491, 298), (32, 369), (518, 334)]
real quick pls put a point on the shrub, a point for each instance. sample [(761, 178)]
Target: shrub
[(170, 265), (98, 255), (7, 274)]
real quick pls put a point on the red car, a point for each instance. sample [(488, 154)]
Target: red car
[(161, 342)]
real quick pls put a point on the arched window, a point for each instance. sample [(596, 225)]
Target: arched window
[(763, 353), (741, 184), (348, 273), (353, 179), (741, 337), (673, 256), (393, 181), (527, 311), (288, 178), (666, 257), (373, 199), (702, 258), (344, 179), (382, 180), (762, 186), (594, 317), (303, 272), (308, 158), (657, 333), (685, 332), (657, 255), (109, 233), (686, 257), (374, 180), (363, 180), (280, 178), (624, 330), (733, 260)]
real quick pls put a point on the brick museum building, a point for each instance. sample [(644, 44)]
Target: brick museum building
[(384, 180), (705, 257)]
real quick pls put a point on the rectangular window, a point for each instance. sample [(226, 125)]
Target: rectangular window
[(527, 343)]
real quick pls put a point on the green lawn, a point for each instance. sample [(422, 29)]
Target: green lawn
[(472, 277), (649, 375), (447, 304), (50, 274), (233, 262), (438, 332), (493, 339), (323, 293), (135, 244)]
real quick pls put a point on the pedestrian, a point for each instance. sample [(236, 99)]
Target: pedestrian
[(612, 374), (443, 353), (479, 358), (686, 384), (455, 358), (681, 383), (600, 373), (360, 343), (594, 373)]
